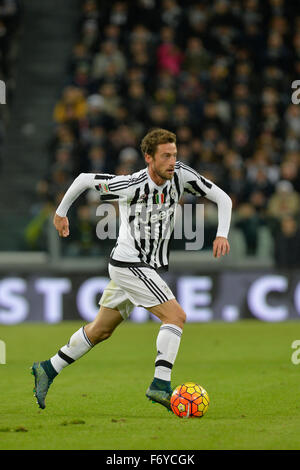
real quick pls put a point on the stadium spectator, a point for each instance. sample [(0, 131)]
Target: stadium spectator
[(83, 240), (197, 59), (10, 22), (169, 58), (71, 107), (287, 244), (284, 201), (108, 55), (248, 221)]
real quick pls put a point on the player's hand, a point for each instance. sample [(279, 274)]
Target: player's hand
[(221, 247), (62, 225)]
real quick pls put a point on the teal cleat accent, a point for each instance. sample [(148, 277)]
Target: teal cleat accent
[(159, 396), (42, 383)]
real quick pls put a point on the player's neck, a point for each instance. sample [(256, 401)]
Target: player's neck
[(158, 180)]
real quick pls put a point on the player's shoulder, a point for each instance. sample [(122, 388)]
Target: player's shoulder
[(188, 175), (138, 173), (138, 177), (128, 183), (184, 170)]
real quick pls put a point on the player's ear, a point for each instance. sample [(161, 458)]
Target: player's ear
[(148, 158)]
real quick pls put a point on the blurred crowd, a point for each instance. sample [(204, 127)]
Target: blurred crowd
[(9, 28), (216, 72)]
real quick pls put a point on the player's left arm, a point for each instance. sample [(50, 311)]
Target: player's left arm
[(221, 245), (196, 184)]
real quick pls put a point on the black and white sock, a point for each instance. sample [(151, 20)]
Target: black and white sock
[(78, 345), (167, 343)]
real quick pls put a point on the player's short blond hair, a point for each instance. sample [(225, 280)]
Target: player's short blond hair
[(154, 138)]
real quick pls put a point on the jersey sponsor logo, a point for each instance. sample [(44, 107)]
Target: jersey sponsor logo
[(156, 217)]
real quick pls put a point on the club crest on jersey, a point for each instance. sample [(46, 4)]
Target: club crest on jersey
[(142, 199), (173, 193)]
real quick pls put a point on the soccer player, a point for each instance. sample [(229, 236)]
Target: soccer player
[(147, 202)]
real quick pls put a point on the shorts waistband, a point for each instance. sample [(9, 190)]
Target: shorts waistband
[(138, 264)]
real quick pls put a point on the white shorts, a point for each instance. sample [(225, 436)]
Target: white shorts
[(134, 286)]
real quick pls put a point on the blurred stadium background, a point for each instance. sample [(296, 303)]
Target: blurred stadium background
[(85, 80)]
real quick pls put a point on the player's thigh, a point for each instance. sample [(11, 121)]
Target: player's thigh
[(169, 312), (142, 286), (104, 324)]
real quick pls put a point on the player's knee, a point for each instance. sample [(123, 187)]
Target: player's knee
[(181, 317), (178, 318)]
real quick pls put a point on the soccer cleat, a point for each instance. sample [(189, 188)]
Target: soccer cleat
[(159, 396), (42, 383)]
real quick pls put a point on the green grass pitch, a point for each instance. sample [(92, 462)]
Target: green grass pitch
[(99, 402)]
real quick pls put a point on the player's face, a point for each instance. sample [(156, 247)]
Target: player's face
[(162, 164)]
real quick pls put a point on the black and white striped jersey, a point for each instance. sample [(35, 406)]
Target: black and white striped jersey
[(147, 211)]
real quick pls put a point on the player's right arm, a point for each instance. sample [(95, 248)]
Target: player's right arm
[(98, 182), (62, 225)]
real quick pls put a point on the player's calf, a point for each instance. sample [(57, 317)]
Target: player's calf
[(44, 372), (104, 324), (80, 343), (96, 333), (167, 344)]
